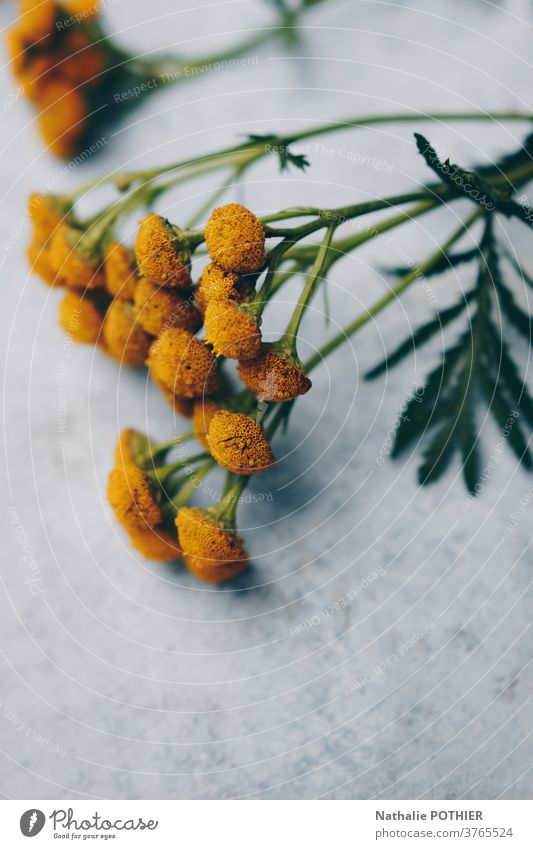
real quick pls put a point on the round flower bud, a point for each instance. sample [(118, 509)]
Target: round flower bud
[(157, 307), (211, 552), (155, 544), (219, 285), (80, 318), (203, 412), (273, 377), (231, 331), (158, 253), (123, 339), (119, 271), (131, 498), (71, 268), (235, 239), (182, 364), (238, 443)]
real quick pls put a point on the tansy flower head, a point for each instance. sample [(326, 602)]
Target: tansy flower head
[(157, 307), (203, 412), (37, 19), (119, 271), (182, 406), (219, 285), (155, 543), (72, 269), (273, 377), (41, 264), (85, 10), (131, 498), (158, 252), (80, 318), (211, 551), (45, 216), (131, 446), (182, 364), (231, 330), (235, 239), (238, 443), (123, 339), (84, 61), (63, 117)]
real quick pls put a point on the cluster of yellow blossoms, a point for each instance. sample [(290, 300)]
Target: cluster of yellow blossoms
[(141, 307), (59, 61)]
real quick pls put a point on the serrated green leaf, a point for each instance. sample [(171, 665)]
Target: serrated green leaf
[(445, 263), (429, 404), (468, 440), (422, 335), (437, 453), (502, 411), (497, 354)]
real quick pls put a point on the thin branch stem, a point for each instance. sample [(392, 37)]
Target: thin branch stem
[(391, 295)]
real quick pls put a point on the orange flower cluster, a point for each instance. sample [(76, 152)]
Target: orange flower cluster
[(139, 305), (55, 57)]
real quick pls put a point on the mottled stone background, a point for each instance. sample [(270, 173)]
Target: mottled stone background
[(127, 679)]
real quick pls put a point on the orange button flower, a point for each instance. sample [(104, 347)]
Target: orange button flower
[(211, 551), (235, 239)]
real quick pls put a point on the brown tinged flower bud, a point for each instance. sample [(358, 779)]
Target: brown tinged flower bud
[(131, 498), (238, 443), (232, 331), (72, 269), (203, 412), (182, 364), (235, 239), (211, 551), (219, 285), (273, 377), (157, 307), (123, 339), (119, 271), (84, 61), (80, 318), (159, 254)]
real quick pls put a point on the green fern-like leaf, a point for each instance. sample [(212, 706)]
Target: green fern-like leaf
[(422, 335)]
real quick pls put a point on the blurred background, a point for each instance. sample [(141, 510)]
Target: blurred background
[(124, 678)]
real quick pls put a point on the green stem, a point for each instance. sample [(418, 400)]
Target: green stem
[(287, 343), (188, 490), (161, 473), (254, 149), (163, 447), (391, 295), (226, 509)]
